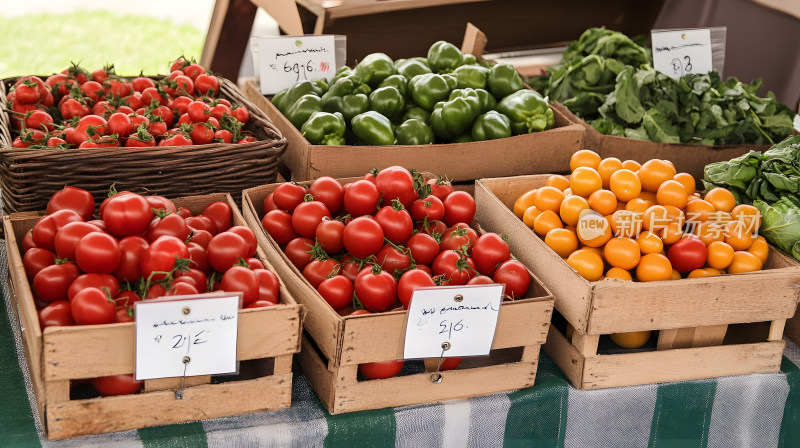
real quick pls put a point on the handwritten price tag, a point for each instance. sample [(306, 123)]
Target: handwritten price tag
[(681, 52), (186, 336), (286, 60), (464, 317)]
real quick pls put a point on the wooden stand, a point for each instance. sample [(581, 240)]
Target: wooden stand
[(699, 321), (335, 345), (57, 356)]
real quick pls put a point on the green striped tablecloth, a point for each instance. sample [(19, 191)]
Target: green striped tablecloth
[(743, 411)]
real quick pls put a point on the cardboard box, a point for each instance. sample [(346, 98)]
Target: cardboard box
[(699, 321), (58, 356), (539, 152), (687, 158), (335, 345)]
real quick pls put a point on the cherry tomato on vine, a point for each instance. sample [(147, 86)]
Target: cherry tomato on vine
[(515, 276), (92, 306), (375, 288), (337, 291), (410, 281), (488, 252), (56, 313), (363, 237)]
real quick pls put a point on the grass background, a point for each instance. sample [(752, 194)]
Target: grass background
[(43, 44)]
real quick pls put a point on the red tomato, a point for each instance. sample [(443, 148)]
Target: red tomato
[(394, 260), (380, 370), (687, 254), (288, 195), (199, 112), (240, 113), (103, 282), (220, 212), (329, 234), (269, 203), (117, 385), (140, 83), (396, 182), (318, 270), (193, 71), (161, 256), (249, 238), (206, 84), (68, 237), (361, 198), (120, 124), (72, 198), (337, 291), (241, 279), (423, 247), (430, 208), (307, 216), (278, 225), (480, 280), (56, 314), (363, 236), (197, 276), (460, 236), (184, 212), (123, 314), (254, 263), (200, 237), (328, 191), (396, 223), (440, 188), (225, 249), (515, 276), (98, 252), (155, 291), (202, 133), (126, 299), (172, 225), (37, 259), (298, 251), (92, 306), (197, 254), (459, 206), (488, 252), (260, 304), (151, 94), (350, 266), (27, 241), (432, 228), (410, 281), (45, 230), (131, 250), (202, 222), (269, 286), (126, 214), (454, 267), (376, 289), (161, 203), (52, 283)]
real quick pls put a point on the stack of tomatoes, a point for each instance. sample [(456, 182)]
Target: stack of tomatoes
[(76, 109), (367, 245), (86, 271)]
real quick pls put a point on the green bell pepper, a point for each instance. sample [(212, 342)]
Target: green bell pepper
[(428, 89), (451, 118), (528, 112), (410, 68), (414, 132), (341, 73), (374, 68), (399, 82), (485, 99), (504, 80), (416, 113), (347, 96), (322, 85), (490, 126), (444, 57), (372, 128), (452, 81), (463, 138), (470, 59), (284, 99), (473, 76), (388, 101), (303, 108), (324, 128)]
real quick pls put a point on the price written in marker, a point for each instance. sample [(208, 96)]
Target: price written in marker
[(677, 53), (465, 317), (286, 60), (186, 336)]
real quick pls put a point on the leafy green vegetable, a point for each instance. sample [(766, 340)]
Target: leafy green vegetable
[(736, 173), (780, 224)]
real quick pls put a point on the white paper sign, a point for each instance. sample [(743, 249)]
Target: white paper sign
[(283, 61), (681, 52), (189, 335), (435, 316)]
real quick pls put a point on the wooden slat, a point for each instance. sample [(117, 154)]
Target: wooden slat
[(285, 13), (566, 356), (282, 364), (681, 364), (793, 328), (317, 373), (176, 383), (228, 36), (776, 330), (691, 337), (108, 414), (586, 344), (56, 391), (474, 41)]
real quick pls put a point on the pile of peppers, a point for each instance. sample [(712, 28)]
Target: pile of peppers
[(444, 98)]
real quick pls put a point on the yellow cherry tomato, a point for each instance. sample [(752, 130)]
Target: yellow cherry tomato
[(649, 243), (584, 181), (704, 272), (606, 168), (738, 235), (619, 274), (530, 215), (603, 202), (571, 208), (760, 249), (584, 157), (749, 215), (634, 339), (655, 172), (687, 180), (720, 255), (631, 165), (653, 267), (744, 262), (546, 221), (523, 202), (558, 181), (672, 192), (562, 241), (721, 199), (588, 264), (622, 253), (625, 185)]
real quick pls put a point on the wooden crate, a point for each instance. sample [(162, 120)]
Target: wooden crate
[(336, 345), (793, 327), (701, 322), (59, 356)]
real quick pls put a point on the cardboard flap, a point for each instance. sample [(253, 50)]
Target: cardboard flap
[(285, 13)]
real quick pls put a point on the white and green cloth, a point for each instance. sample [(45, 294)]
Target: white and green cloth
[(743, 411)]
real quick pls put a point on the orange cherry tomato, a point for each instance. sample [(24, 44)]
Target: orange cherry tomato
[(546, 221), (738, 235), (558, 181), (655, 218), (720, 255), (530, 215), (744, 262), (588, 264), (672, 192), (584, 157), (594, 232), (749, 215), (548, 198), (631, 165), (633, 339), (523, 202), (619, 274), (562, 241), (655, 172), (622, 253), (625, 223), (676, 275), (603, 202), (698, 210), (653, 267), (606, 168), (687, 180), (585, 181), (672, 233), (625, 185), (638, 205), (704, 272), (571, 208), (649, 243), (760, 249), (721, 199)]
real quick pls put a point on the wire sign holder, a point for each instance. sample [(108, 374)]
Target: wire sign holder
[(455, 321)]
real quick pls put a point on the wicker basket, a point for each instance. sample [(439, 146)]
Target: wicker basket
[(28, 177)]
